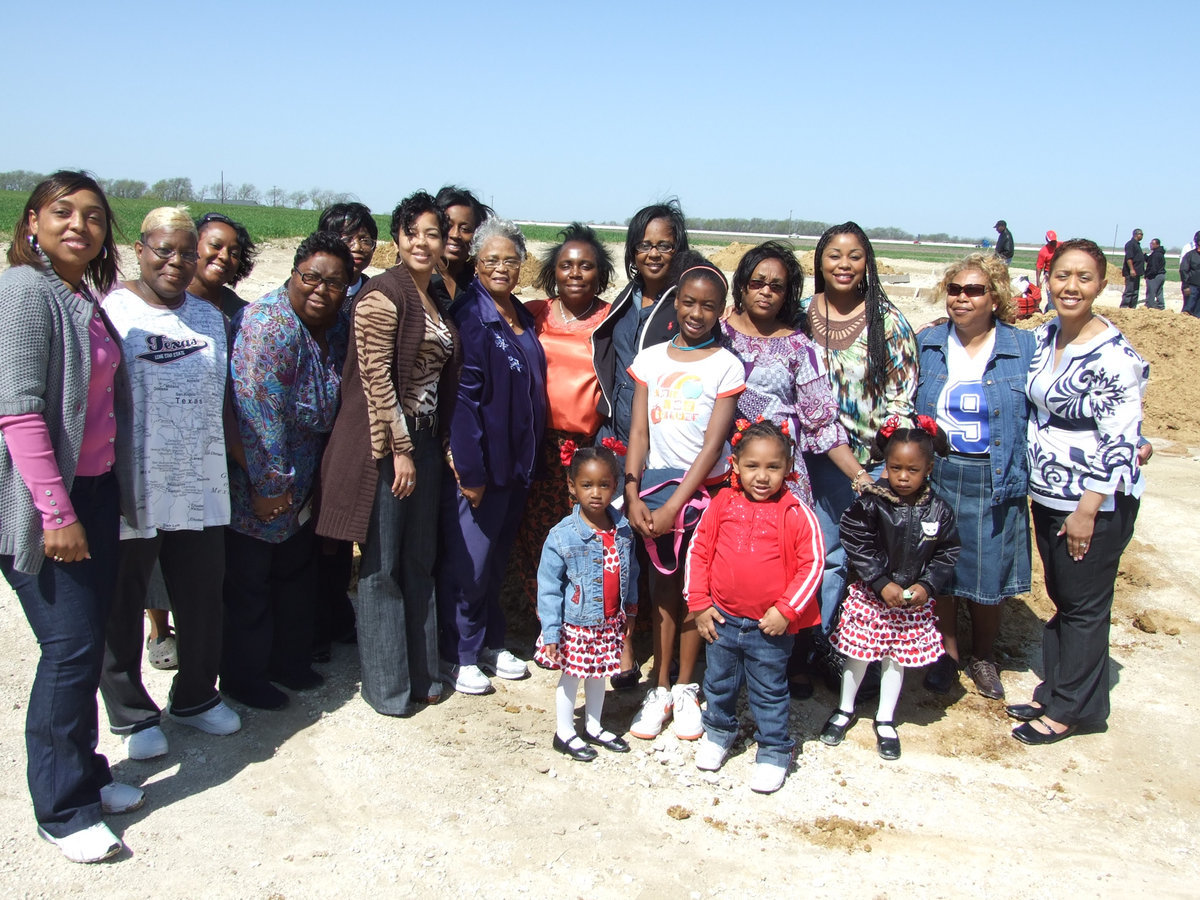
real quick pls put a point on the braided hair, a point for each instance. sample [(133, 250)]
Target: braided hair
[(872, 292)]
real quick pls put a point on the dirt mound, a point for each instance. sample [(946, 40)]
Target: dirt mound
[(1113, 275), (1167, 342), (530, 270), (727, 259), (385, 255)]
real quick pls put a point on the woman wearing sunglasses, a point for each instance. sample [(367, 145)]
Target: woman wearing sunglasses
[(973, 372)]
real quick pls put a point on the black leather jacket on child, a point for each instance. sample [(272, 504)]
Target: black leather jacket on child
[(887, 539)]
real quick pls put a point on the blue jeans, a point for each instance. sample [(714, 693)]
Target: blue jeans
[(833, 495), (740, 653), (67, 607), (396, 604)]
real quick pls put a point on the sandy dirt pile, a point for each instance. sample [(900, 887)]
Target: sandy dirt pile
[(728, 257)]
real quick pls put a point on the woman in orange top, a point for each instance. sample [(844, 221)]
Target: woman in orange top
[(575, 272)]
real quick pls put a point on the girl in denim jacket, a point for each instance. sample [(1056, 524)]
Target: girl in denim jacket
[(584, 596)]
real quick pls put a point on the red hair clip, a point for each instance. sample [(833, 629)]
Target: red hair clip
[(928, 425), (566, 452), (890, 426), (615, 445)]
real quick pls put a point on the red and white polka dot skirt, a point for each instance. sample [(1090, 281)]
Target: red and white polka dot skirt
[(869, 629)]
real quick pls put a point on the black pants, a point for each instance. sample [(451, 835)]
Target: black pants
[(1075, 641), (193, 567), (270, 599), (1129, 297)]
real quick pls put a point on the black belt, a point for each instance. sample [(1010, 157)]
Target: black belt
[(422, 423)]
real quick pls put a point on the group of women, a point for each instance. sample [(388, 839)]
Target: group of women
[(421, 413)]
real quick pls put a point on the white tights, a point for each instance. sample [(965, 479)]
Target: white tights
[(890, 682), (593, 705)]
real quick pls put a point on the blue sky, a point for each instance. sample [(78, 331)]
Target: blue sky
[(1077, 116)]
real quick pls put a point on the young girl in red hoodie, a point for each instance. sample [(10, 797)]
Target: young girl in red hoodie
[(752, 576)]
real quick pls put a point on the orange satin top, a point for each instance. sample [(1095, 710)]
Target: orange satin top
[(572, 389)]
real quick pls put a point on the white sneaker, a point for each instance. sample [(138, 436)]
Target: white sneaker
[(686, 698), (503, 664), (221, 720), (710, 755), (149, 743), (471, 680), (88, 846), (655, 711), (117, 798), (767, 778)]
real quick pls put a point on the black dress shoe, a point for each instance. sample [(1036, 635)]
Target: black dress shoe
[(800, 690), (616, 744), (1027, 734), (303, 680), (942, 675), (888, 747), (833, 733), (576, 749), (259, 695), (1025, 712)]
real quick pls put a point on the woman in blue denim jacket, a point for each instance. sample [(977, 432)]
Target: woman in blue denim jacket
[(973, 372), (584, 596)]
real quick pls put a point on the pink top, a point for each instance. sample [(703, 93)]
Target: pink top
[(28, 439)]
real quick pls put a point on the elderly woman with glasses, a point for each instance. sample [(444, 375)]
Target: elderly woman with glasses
[(973, 372), (286, 382), (495, 435)]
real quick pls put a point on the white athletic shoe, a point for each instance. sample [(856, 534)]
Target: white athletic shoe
[(117, 798), (687, 726), (88, 846), (653, 715), (149, 743), (502, 664), (471, 680), (710, 755), (767, 778), (220, 720)]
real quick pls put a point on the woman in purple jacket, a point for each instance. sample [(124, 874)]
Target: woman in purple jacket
[(496, 430)]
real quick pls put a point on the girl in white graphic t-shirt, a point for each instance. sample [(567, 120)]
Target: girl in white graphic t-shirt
[(685, 398)]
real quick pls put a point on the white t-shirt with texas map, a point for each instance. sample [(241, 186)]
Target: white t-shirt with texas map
[(680, 397), (178, 365)]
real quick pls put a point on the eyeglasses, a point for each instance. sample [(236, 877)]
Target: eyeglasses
[(757, 284), (312, 279), (165, 253), (661, 247), (363, 243), (493, 262), (971, 290)]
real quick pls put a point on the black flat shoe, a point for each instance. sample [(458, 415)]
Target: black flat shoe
[(800, 690), (1025, 712), (1027, 734), (626, 680), (260, 695), (833, 733), (616, 745), (576, 749), (942, 675), (302, 680), (888, 747)]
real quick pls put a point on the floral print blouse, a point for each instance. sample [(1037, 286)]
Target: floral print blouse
[(861, 412), (285, 394), (785, 382)]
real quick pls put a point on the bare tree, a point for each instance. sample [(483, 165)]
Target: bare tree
[(19, 180), (125, 187), (299, 199), (276, 196), (174, 190)]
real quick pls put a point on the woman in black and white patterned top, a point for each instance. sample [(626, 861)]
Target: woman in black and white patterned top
[(1085, 387)]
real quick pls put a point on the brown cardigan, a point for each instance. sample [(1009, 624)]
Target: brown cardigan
[(349, 473)]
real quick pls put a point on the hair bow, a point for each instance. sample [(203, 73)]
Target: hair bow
[(927, 425), (890, 426), (615, 445), (566, 452)]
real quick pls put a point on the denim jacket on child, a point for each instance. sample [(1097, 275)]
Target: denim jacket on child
[(571, 574)]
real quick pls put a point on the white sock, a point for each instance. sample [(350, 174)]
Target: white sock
[(593, 705), (564, 706), (891, 680), (853, 671)]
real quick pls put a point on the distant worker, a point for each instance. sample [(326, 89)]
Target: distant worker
[(1028, 296), (1189, 275), (1132, 268), (1004, 243), (1043, 259), (1187, 246), (1156, 274)]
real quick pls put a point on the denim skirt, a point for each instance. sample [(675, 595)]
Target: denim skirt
[(995, 560)]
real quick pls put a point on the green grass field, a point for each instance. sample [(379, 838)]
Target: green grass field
[(267, 222)]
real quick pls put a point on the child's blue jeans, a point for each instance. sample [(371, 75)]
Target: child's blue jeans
[(743, 653)]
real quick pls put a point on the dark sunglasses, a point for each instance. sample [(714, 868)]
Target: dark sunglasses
[(971, 290)]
